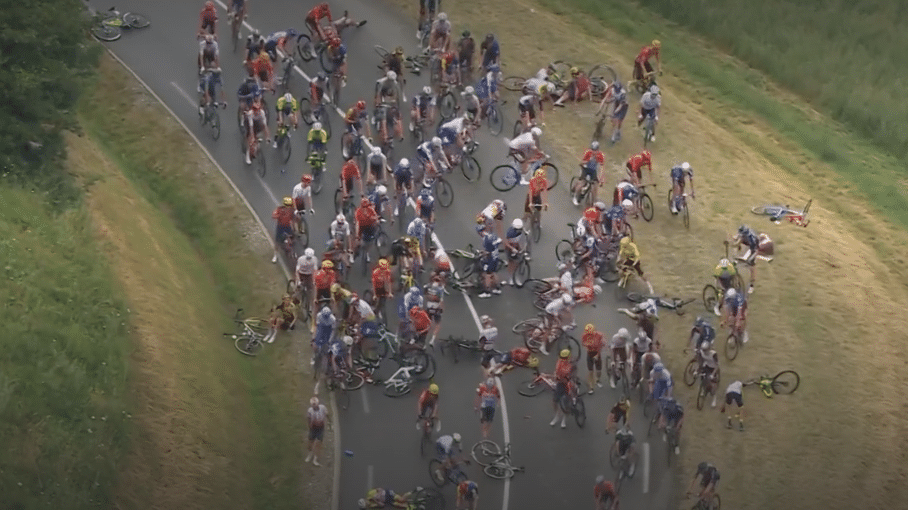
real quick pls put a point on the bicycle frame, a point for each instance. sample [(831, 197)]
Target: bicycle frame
[(401, 379)]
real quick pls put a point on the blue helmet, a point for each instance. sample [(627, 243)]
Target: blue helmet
[(659, 367), (292, 33)]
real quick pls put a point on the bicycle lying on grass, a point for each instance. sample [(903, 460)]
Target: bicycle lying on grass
[(250, 335), (777, 212), (785, 382), (496, 463)]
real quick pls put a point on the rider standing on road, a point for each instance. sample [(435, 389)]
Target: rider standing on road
[(564, 375), (734, 399), (709, 477), (487, 397), (208, 18), (427, 406), (467, 495), (593, 342)]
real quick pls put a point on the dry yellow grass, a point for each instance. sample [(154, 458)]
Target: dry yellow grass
[(830, 306)]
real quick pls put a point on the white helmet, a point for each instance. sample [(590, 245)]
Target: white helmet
[(456, 437), (414, 290), (436, 141), (442, 16), (581, 231), (567, 299), (623, 332), (381, 190), (316, 126), (517, 223), (427, 90), (654, 89), (484, 319), (724, 263), (469, 89), (594, 145), (731, 293), (685, 166), (405, 163), (542, 74), (597, 289), (340, 218), (599, 205), (704, 346), (418, 222), (490, 382), (309, 252), (536, 131), (627, 203), (288, 97), (392, 75), (562, 266), (209, 38), (348, 340), (376, 150)]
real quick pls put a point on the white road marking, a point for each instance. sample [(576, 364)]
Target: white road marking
[(370, 477), (645, 467), (185, 95), (365, 401)]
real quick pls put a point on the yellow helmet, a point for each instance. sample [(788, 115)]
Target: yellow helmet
[(539, 173), (383, 263), (589, 328), (574, 71), (433, 389), (565, 353), (335, 287), (533, 362), (327, 264), (625, 240), (288, 201), (656, 43)]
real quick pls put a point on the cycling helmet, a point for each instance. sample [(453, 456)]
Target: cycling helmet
[(404, 163), (418, 222), (456, 437), (731, 293), (309, 252), (485, 319), (334, 42), (466, 33), (414, 290), (469, 89), (361, 105), (623, 332), (536, 131), (599, 479), (376, 151), (391, 75), (685, 166), (654, 89), (562, 266), (209, 38), (306, 179), (288, 97), (348, 340), (591, 214), (340, 218), (704, 346), (292, 32), (625, 240), (427, 90), (363, 202), (599, 205), (656, 43), (499, 203), (436, 141), (288, 201), (743, 229), (568, 300), (589, 328), (594, 145), (650, 307), (383, 263), (700, 322), (490, 37), (533, 362), (317, 126), (597, 289), (490, 382), (647, 157), (433, 389), (442, 16), (581, 231), (575, 71), (703, 466), (658, 367), (565, 353), (627, 204), (517, 223), (381, 190), (335, 287), (724, 263), (327, 264)]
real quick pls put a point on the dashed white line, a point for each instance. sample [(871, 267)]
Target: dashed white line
[(365, 401), (370, 477), (645, 467)]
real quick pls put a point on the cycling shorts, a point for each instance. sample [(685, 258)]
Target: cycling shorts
[(593, 359), (535, 206), (647, 113), (620, 111), (560, 391), (403, 181), (317, 145), (369, 329), (529, 109), (660, 387), (442, 454), (589, 173), (367, 232), (735, 397), (434, 314), (447, 135), (282, 232), (488, 414), (490, 264)]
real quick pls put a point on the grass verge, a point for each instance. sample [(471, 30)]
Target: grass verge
[(833, 286)]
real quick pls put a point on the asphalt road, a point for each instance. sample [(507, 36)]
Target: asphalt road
[(560, 464)]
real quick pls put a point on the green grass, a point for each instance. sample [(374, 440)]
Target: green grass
[(63, 360)]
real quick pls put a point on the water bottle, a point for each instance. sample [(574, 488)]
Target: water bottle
[(348, 453)]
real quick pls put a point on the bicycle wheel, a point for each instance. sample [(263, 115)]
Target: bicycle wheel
[(526, 325), (613, 458), (305, 107), (321, 115), (284, 148), (602, 72), (324, 59), (425, 442), (580, 412), (513, 83), (518, 128), (248, 345), (685, 214), (635, 297), (444, 192), (259, 161), (304, 48), (646, 207), (470, 168), (521, 273), (106, 33), (135, 20), (570, 343), (551, 174), (701, 396), (353, 381), (647, 131), (536, 228), (437, 473), (564, 250), (710, 297), (302, 232), (338, 201), (690, 373), (447, 105), (498, 472), (786, 382), (534, 338), (317, 179), (397, 390), (504, 177), (532, 387), (425, 366), (214, 124), (649, 407), (731, 347), (608, 270), (494, 120), (486, 452)]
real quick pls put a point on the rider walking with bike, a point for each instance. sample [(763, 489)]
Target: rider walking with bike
[(591, 165), (564, 385), (593, 342)]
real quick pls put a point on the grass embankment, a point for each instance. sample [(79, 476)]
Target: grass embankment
[(211, 428), (830, 306)]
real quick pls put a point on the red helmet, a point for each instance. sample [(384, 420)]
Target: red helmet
[(364, 202), (647, 157), (209, 5), (591, 214), (334, 42), (306, 178), (360, 105)]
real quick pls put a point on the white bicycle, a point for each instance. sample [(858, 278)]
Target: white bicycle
[(401, 382)]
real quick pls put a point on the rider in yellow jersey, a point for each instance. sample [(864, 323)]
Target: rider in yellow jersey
[(629, 256)]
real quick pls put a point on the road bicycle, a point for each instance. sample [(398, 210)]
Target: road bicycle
[(423, 498), (505, 177), (255, 152), (676, 304), (534, 227), (649, 127), (311, 115), (443, 475), (582, 190), (426, 441), (343, 203), (644, 203), (491, 112), (537, 385), (300, 294), (469, 166), (735, 341), (308, 50), (441, 189), (683, 208), (401, 382), (620, 463), (713, 503), (785, 382), (235, 22), (672, 440), (378, 243), (535, 336), (301, 229), (341, 383), (414, 64), (211, 117), (282, 83), (644, 83), (707, 388), (316, 160), (601, 77), (454, 344), (250, 335), (109, 25), (572, 404), (283, 144), (621, 370), (495, 461), (447, 101), (777, 212), (712, 295)]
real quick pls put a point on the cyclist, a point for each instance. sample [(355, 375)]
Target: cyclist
[(366, 225), (412, 299), (362, 314), (354, 119), (736, 312), (592, 341), (757, 245), (618, 415), (647, 362), (554, 311), (314, 16), (453, 132), (285, 216), (635, 164), (339, 231), (709, 477), (406, 249), (586, 291), (246, 94), (591, 165), (283, 316), (604, 494), (324, 278), (375, 162), (209, 56), (678, 174), (382, 286), (440, 36), (672, 416), (564, 385), (470, 105), (422, 109), (435, 305), (387, 105), (432, 157), (645, 314), (302, 197), (642, 67), (467, 495), (317, 140), (487, 90), (350, 174), (450, 69), (403, 183), (516, 357), (317, 88), (725, 274), (208, 19), (426, 13), (525, 149), (537, 196), (491, 218), (629, 257), (489, 264), (337, 56), (619, 345), (421, 324), (615, 94), (255, 44), (624, 442), (306, 265), (709, 368), (425, 206), (466, 47), (323, 325), (488, 333), (487, 397), (527, 105), (734, 398), (339, 355), (442, 264), (278, 41), (287, 109), (255, 121), (238, 9), (343, 300), (379, 199), (702, 331), (580, 87), (263, 71), (491, 52), (447, 450), (515, 245), (385, 498), (210, 83), (417, 229), (650, 102), (660, 382)]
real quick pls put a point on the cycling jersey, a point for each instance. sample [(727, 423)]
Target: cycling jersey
[(725, 274), (209, 51), (490, 244), (434, 296), (709, 359), (619, 341), (706, 334), (376, 161), (247, 91), (416, 229), (635, 164), (284, 216), (490, 54), (426, 205), (366, 217), (386, 89), (673, 411), (350, 171), (626, 190), (736, 304), (592, 342), (678, 173), (324, 279), (287, 106), (423, 102), (646, 53), (364, 311), (317, 89), (642, 343), (338, 230), (564, 369), (604, 491), (624, 439), (488, 397), (442, 261), (299, 193), (517, 239), (412, 299), (750, 238), (555, 307), (446, 446), (468, 490), (523, 142), (337, 55), (486, 87), (306, 265), (593, 159), (538, 184), (709, 473), (318, 12), (450, 129), (403, 176), (649, 102), (380, 276), (735, 387), (629, 252)]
